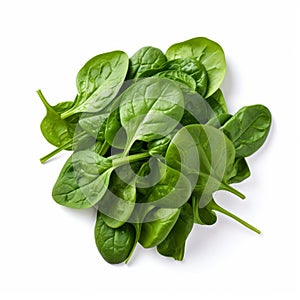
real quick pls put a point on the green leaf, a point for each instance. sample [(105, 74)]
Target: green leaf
[(114, 244), (194, 68), (202, 215), (150, 109), (168, 187), (207, 52), (248, 129), (98, 82), (83, 180), (240, 171), (94, 124), (174, 244), (56, 130), (154, 232), (178, 76), (196, 111), (219, 120), (205, 156), (217, 103), (118, 202), (146, 58)]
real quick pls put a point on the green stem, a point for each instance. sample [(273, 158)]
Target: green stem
[(104, 148), (68, 113), (214, 206), (229, 188), (45, 102), (56, 151), (62, 147), (131, 158)]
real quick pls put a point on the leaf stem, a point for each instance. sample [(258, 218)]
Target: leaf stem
[(214, 206), (131, 158), (104, 148), (56, 151), (45, 102), (229, 188), (62, 147)]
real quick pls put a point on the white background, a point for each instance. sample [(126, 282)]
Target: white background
[(47, 250)]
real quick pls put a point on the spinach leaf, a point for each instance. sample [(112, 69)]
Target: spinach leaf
[(248, 129), (219, 120), (217, 102), (150, 109), (56, 130), (240, 171), (114, 244), (115, 133), (202, 215), (196, 111), (174, 244), (213, 156), (165, 187), (179, 76), (146, 58), (94, 124), (207, 52), (98, 82), (194, 68), (83, 180), (118, 202), (154, 232), (159, 147)]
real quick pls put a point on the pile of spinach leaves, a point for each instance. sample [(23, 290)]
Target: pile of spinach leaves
[(152, 141)]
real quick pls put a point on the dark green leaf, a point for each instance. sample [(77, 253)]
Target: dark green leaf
[(147, 58), (150, 109), (240, 171), (114, 244), (174, 244), (83, 180), (217, 103), (207, 52), (194, 68), (154, 232), (248, 129), (99, 81), (178, 76)]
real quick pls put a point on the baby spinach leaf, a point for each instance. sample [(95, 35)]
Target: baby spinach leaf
[(146, 58), (196, 111), (219, 120), (212, 156), (168, 187), (179, 76), (94, 124), (114, 244), (115, 133), (194, 68), (154, 232), (248, 129), (150, 109), (118, 202), (159, 147), (98, 82), (207, 52), (56, 130), (174, 244), (202, 215), (217, 102), (240, 171), (83, 180)]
